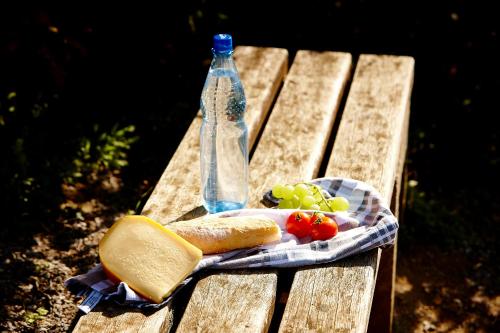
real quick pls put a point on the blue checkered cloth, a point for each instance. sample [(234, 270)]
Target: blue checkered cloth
[(368, 224)]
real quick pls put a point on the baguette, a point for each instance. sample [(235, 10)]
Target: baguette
[(222, 234)]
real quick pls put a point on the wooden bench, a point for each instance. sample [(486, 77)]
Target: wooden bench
[(311, 131)]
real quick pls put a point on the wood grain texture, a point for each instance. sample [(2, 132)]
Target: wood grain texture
[(216, 308), (383, 298), (262, 70), (367, 147), (107, 319), (294, 140), (261, 80), (287, 151), (320, 296)]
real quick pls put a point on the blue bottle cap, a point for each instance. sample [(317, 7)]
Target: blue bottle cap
[(223, 43)]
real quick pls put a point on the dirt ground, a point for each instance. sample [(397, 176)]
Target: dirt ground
[(437, 290), (35, 266), (440, 291)]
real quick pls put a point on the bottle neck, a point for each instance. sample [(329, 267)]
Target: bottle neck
[(222, 53), (222, 60)]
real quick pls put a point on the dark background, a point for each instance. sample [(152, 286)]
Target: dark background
[(101, 67), (73, 80)]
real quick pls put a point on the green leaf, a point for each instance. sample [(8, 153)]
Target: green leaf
[(42, 311), (122, 163), (222, 16)]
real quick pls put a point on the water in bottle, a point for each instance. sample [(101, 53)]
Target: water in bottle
[(224, 135)]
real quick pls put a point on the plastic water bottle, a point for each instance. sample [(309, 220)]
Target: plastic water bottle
[(224, 134)]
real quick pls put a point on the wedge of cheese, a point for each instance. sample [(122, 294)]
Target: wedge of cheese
[(216, 235), (151, 259)]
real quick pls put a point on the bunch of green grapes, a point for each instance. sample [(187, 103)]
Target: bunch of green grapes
[(307, 196)]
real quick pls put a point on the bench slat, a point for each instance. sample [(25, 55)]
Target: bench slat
[(323, 299), (290, 150), (368, 142), (221, 302), (107, 319), (382, 312), (367, 147), (294, 140), (262, 70)]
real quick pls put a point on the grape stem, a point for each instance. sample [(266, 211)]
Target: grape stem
[(323, 200)]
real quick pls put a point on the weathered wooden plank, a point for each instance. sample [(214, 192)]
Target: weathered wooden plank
[(289, 150), (295, 138), (320, 295), (260, 89), (262, 70), (215, 307), (107, 319), (383, 298), (367, 147)]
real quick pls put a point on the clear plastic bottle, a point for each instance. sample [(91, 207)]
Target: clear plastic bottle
[(224, 134)]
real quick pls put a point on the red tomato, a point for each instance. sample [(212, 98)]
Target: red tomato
[(299, 224), (316, 216), (324, 228)]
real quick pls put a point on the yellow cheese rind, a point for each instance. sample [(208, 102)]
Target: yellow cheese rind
[(216, 235), (151, 259)]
